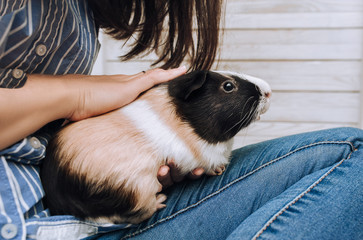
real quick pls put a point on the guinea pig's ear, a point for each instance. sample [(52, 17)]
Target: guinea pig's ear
[(183, 86)]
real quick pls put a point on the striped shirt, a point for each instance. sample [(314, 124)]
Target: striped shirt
[(47, 37)]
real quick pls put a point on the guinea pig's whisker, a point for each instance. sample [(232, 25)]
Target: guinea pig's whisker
[(243, 117), (249, 117), (231, 115)]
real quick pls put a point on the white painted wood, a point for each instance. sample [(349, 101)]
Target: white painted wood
[(294, 20), (329, 107), (283, 6), (294, 36), (292, 52), (297, 68)]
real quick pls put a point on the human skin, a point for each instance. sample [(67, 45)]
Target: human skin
[(45, 98)]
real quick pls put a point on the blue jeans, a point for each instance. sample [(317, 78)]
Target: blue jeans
[(307, 186)]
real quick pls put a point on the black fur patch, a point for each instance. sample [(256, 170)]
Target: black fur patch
[(215, 115), (70, 194)]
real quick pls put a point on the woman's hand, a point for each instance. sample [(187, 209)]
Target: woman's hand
[(101, 94), (45, 98), (170, 174)]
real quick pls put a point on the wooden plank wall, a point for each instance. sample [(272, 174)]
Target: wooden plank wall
[(310, 51)]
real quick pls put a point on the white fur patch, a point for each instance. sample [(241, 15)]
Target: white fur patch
[(166, 142), (216, 154)]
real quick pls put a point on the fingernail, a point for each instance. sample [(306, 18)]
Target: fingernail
[(164, 170), (198, 171)]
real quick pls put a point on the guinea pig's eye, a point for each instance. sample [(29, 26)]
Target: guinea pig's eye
[(228, 86)]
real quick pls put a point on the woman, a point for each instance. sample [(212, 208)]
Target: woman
[(304, 186)]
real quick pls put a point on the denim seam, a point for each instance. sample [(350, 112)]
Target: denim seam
[(299, 197), (181, 211)]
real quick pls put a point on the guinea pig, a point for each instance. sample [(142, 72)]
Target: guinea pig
[(104, 169)]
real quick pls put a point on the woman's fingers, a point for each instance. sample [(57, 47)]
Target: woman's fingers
[(196, 173), (100, 94), (156, 76), (175, 173), (164, 176), (170, 174)]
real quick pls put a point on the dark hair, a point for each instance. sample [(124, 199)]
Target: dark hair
[(146, 20)]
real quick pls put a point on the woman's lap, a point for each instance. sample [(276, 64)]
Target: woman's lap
[(263, 183), (326, 204)]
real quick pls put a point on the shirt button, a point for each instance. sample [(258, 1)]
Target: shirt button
[(17, 73), (9, 231), (34, 142), (41, 50)]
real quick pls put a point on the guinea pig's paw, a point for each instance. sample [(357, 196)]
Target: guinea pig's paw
[(217, 171), (160, 199)]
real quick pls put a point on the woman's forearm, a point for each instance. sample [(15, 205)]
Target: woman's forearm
[(43, 99)]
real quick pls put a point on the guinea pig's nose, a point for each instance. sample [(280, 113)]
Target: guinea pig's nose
[(268, 94)]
